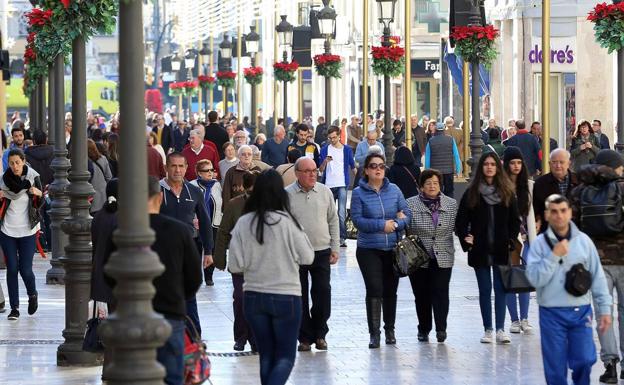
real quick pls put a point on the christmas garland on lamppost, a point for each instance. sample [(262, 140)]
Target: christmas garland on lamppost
[(608, 22), (476, 43), (177, 89), (284, 71), (226, 79), (206, 82), (328, 65), (253, 75), (190, 87), (388, 61)]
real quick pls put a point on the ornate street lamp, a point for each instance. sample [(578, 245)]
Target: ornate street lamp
[(226, 55), (327, 25), (285, 36), (205, 54), (386, 16), (176, 62), (189, 64), (252, 42)]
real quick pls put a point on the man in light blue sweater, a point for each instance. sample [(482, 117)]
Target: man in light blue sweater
[(566, 319)]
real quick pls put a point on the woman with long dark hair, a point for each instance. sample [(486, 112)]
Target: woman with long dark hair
[(584, 145), (487, 225), (21, 190), (267, 247), (514, 166), (379, 212)]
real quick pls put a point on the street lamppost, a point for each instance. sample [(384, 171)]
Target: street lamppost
[(619, 146), (476, 141), (327, 24), (226, 55), (386, 16), (252, 42), (189, 64), (285, 35), (176, 64), (205, 54)]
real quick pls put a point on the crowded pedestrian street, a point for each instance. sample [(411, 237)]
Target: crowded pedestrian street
[(28, 348)]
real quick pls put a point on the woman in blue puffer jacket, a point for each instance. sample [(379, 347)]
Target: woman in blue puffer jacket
[(379, 212)]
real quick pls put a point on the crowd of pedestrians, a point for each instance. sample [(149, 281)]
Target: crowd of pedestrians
[(273, 213)]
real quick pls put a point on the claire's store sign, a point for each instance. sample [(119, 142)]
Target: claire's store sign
[(562, 54)]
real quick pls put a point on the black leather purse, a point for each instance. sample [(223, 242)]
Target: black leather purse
[(92, 342), (409, 255), (514, 277)]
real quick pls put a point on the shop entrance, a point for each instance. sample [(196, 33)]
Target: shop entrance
[(562, 105)]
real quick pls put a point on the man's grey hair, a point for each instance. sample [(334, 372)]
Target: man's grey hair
[(195, 132), (299, 161), (244, 147), (558, 151), (278, 128)]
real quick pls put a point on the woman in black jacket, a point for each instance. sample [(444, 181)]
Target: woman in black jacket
[(404, 173), (487, 224)]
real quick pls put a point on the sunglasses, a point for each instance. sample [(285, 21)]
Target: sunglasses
[(207, 170), (375, 166)]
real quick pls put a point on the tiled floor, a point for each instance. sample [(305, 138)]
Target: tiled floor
[(28, 346)]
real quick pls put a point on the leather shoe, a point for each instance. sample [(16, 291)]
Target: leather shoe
[(422, 337), (441, 336), (239, 346), (304, 347), (321, 344)]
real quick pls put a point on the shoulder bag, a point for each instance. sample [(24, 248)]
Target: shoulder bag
[(514, 277), (196, 361), (92, 342), (409, 255)]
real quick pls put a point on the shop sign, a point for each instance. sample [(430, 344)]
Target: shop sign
[(424, 68), (562, 53)]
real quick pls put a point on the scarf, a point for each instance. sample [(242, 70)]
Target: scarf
[(432, 204), (489, 194), (207, 185), (16, 183)]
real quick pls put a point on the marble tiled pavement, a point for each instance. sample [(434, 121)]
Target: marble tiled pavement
[(28, 346)]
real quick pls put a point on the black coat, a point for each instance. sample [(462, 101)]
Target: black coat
[(545, 186), (404, 172), (40, 158), (217, 135), (475, 221), (102, 227)]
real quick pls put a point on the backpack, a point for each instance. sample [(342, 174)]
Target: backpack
[(601, 209)]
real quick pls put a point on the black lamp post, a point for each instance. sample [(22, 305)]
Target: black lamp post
[(386, 16), (619, 146), (252, 42), (176, 64), (226, 55), (285, 35), (476, 141), (189, 64), (205, 53), (327, 25)]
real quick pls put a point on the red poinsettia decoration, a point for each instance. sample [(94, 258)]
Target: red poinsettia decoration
[(253, 75), (226, 78), (206, 81), (29, 55), (476, 43), (388, 61), (328, 65), (608, 20), (65, 3), (394, 53), (465, 32), (39, 17), (284, 71), (31, 38)]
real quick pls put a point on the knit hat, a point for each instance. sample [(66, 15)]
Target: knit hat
[(609, 158), (440, 127), (511, 153)]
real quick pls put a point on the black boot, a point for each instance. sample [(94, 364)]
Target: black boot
[(208, 275), (610, 375), (389, 316), (373, 314)]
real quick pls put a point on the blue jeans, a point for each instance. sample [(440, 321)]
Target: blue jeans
[(193, 315), (275, 321), (484, 280), (340, 193), (171, 354), (19, 254), (567, 342)]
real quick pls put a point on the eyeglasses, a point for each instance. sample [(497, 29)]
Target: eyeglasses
[(375, 166), (309, 172), (207, 170)]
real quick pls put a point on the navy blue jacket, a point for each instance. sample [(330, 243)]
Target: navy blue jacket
[(604, 142), (189, 205), (371, 209), (273, 153), (530, 148)]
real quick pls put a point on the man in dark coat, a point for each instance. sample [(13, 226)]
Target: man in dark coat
[(216, 134), (163, 133), (40, 155), (560, 180), (602, 138), (528, 145)]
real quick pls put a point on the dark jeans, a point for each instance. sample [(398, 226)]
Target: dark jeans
[(209, 271), (380, 280), (484, 280), (448, 186), (275, 321), (314, 321), (19, 253), (171, 354), (431, 292), (242, 331)]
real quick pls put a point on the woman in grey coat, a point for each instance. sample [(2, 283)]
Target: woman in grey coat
[(433, 220)]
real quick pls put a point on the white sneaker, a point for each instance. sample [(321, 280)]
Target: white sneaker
[(488, 337), (502, 337), (515, 327), (526, 328)]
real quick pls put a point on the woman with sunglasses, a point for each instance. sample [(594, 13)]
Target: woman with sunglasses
[(380, 213), (212, 198)]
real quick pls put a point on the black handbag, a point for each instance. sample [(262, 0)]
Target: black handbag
[(352, 231), (92, 342), (514, 278), (409, 255)]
